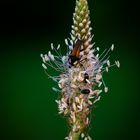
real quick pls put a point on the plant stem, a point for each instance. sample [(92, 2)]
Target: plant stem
[(75, 135)]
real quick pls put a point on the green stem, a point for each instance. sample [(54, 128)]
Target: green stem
[(75, 135)]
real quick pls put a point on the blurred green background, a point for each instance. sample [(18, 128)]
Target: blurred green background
[(28, 108)]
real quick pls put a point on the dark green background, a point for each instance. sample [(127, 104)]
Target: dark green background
[(28, 108)]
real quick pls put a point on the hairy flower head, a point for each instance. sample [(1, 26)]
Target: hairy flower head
[(81, 72)]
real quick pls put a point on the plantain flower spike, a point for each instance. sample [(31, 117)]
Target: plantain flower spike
[(80, 78)]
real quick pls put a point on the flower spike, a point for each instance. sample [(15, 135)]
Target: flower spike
[(81, 73)]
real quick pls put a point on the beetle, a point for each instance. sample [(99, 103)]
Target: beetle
[(85, 91)]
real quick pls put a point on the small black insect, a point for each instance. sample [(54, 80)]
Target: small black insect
[(85, 91), (86, 76)]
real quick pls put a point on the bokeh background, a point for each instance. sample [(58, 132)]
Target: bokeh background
[(28, 108)]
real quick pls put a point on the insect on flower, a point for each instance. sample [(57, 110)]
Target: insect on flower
[(75, 53), (85, 91)]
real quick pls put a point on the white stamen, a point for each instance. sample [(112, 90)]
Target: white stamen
[(80, 107), (43, 59), (97, 99), (41, 55), (71, 42), (98, 77), (106, 89), (100, 91), (91, 97), (75, 22), (59, 85), (106, 69), (70, 47), (75, 62), (112, 47), (52, 46), (55, 89), (117, 63), (72, 37), (90, 39), (87, 120), (98, 48), (89, 138), (73, 86), (63, 59), (82, 135), (74, 106), (100, 83), (57, 101), (108, 63), (58, 46), (88, 81), (90, 103), (72, 27), (85, 138), (52, 57), (90, 46), (46, 57), (97, 55), (73, 32), (77, 99), (90, 29), (66, 42), (49, 53), (44, 66), (89, 22)]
